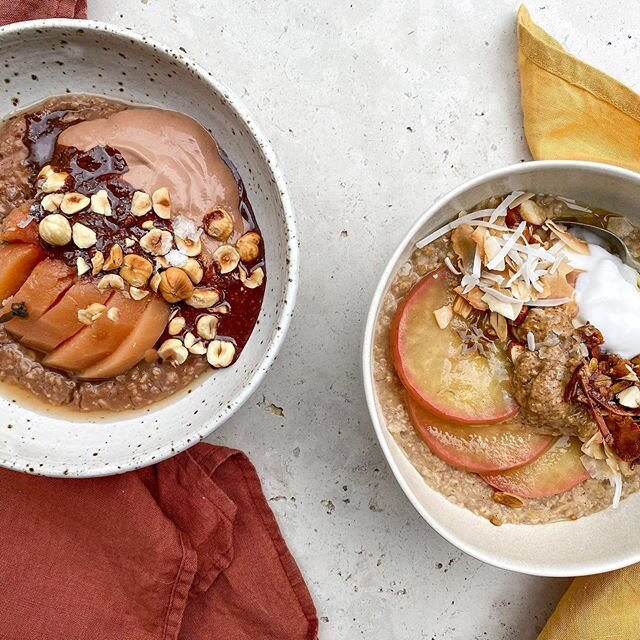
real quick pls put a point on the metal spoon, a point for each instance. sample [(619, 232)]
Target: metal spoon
[(603, 238)]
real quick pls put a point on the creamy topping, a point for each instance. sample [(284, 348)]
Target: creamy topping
[(608, 297), (166, 149)]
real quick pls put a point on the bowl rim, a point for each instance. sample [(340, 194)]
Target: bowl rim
[(494, 559), (284, 317)]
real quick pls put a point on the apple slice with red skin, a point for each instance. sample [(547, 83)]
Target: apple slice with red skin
[(480, 449), (557, 470), (466, 388)]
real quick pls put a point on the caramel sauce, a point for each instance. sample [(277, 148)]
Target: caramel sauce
[(104, 167)]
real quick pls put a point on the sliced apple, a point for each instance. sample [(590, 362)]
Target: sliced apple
[(464, 387), (17, 260), (132, 349), (17, 226), (95, 342), (45, 284), (481, 449), (557, 470), (61, 321)]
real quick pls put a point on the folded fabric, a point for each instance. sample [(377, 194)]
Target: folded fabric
[(571, 110), (34, 9), (187, 549)]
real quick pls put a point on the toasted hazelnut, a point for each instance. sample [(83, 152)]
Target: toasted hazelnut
[(157, 242), (55, 230), (173, 351), (148, 224), (100, 203), (113, 314), (45, 171), (218, 224), (189, 247), (82, 266), (114, 261), (54, 181), (198, 349), (189, 340), (91, 313), (154, 283), (226, 258), (176, 326), (138, 294), (136, 270), (111, 281), (252, 280), (175, 285), (220, 353), (203, 298), (97, 262), (194, 270), (73, 203), (207, 327), (162, 263), (249, 246), (222, 309), (129, 242), (140, 203), (51, 202), (83, 237), (162, 203)]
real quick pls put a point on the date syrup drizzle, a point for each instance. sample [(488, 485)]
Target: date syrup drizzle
[(104, 168)]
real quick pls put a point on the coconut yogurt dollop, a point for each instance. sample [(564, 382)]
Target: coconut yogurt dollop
[(608, 297)]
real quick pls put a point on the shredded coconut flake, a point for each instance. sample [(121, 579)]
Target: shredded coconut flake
[(502, 208), (531, 341), (450, 266)]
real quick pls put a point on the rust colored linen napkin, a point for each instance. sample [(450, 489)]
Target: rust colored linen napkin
[(16, 10), (186, 550), (573, 111)]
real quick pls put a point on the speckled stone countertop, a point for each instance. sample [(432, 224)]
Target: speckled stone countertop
[(374, 109)]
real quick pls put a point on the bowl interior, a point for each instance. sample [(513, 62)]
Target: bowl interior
[(600, 542), (55, 57)]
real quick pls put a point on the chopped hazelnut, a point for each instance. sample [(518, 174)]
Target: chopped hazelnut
[(129, 242), (194, 270), (113, 314), (249, 246), (162, 203), (175, 285), (136, 270), (219, 224), (188, 247), (252, 280), (203, 298), (83, 237), (189, 340), (91, 313), (220, 353), (140, 203), (157, 242), (226, 258), (176, 326), (82, 266), (55, 230), (154, 283), (54, 181), (173, 351), (114, 261), (198, 349), (100, 203), (148, 224), (73, 203), (138, 294), (111, 281), (51, 202), (97, 262), (207, 327)]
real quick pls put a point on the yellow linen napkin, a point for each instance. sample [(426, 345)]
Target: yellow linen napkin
[(573, 111)]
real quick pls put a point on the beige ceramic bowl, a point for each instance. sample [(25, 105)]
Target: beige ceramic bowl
[(51, 57), (600, 542)]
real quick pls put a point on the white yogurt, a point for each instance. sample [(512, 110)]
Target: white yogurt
[(608, 297)]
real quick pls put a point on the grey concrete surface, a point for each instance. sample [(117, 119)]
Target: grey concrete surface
[(374, 108)]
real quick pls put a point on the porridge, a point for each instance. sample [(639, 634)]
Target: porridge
[(499, 375), (130, 259)]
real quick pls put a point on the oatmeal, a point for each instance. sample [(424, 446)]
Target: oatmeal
[(543, 345), (131, 260)]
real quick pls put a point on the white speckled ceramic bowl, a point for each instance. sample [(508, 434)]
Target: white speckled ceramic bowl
[(51, 57), (600, 542)]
